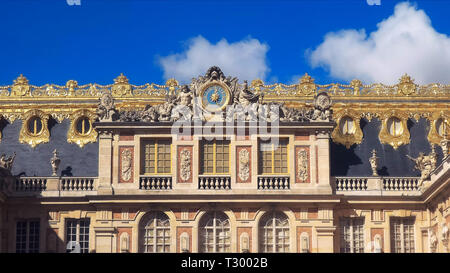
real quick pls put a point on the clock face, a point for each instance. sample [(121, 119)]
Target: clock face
[(214, 98)]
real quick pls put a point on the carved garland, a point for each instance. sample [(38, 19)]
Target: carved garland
[(244, 165), (73, 136), (302, 161), (185, 165), (43, 136), (126, 165)]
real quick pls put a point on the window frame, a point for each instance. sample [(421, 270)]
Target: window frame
[(78, 232), (352, 224), (216, 244), (273, 217), (146, 141), (410, 222), (202, 158), (27, 235), (155, 217), (261, 159)]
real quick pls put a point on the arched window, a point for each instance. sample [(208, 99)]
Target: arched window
[(215, 233), (155, 233), (274, 232)]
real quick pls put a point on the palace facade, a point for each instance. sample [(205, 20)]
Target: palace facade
[(223, 166)]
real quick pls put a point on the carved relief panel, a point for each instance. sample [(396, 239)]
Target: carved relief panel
[(184, 164), (302, 164), (126, 168), (243, 164)]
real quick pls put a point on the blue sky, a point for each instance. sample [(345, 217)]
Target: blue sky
[(52, 42)]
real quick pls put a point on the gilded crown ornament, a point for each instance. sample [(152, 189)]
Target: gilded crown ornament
[(121, 86), (406, 85), (20, 86), (307, 85)]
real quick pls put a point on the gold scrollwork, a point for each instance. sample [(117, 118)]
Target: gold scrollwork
[(36, 137), (394, 136), (438, 121), (306, 85), (348, 137), (87, 134), (20, 86), (121, 87), (172, 84), (406, 86)]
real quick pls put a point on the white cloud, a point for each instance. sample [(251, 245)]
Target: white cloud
[(403, 43), (245, 59)]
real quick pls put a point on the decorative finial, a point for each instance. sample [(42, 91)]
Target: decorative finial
[(306, 85), (55, 161), (121, 79), (20, 80), (406, 85), (356, 84), (71, 85), (306, 79), (171, 84), (373, 160)]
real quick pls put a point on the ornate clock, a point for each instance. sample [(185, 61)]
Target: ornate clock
[(215, 97)]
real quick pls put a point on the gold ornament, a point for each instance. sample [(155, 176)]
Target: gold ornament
[(354, 136), (306, 85), (399, 136), (20, 87), (438, 118), (406, 85), (36, 137), (71, 85), (87, 135), (121, 87)]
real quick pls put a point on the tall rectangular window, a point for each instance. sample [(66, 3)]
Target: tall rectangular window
[(77, 231), (352, 234), (273, 159), (215, 157), (157, 157), (27, 236), (402, 234)]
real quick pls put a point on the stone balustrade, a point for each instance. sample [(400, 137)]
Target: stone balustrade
[(30, 184), (77, 184), (351, 183), (376, 185), (214, 183), (155, 183), (400, 183), (273, 183)]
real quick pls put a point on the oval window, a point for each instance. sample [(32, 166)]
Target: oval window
[(440, 127), (395, 126), (34, 126), (347, 126), (83, 126)]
